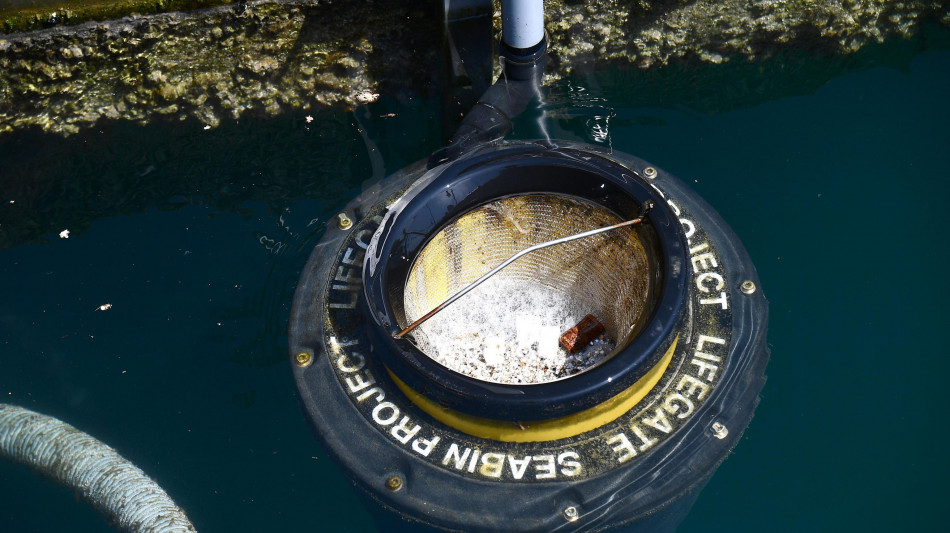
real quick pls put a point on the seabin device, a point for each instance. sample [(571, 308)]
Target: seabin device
[(476, 420)]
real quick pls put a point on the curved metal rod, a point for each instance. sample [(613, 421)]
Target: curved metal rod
[(647, 207)]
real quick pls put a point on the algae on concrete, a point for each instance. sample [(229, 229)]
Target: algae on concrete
[(28, 15), (653, 33), (274, 55), (212, 64)]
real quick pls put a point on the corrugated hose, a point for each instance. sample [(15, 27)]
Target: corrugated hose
[(110, 482)]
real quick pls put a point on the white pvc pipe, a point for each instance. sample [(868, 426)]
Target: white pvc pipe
[(102, 476), (522, 22)]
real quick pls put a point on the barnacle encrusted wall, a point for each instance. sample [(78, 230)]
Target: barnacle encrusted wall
[(271, 55)]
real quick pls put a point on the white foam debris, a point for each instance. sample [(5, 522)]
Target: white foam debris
[(494, 354), (506, 331)]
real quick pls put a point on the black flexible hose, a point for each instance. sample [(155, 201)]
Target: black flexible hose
[(490, 118)]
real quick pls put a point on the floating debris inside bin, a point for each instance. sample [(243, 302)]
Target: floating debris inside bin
[(509, 328), (504, 333)]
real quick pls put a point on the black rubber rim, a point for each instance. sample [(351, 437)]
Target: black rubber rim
[(468, 183)]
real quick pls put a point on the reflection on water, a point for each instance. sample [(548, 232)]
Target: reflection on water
[(580, 110), (49, 183), (196, 238)]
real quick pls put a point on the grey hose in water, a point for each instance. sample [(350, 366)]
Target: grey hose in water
[(106, 479)]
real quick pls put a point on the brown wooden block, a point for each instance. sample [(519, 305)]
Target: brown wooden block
[(576, 338)]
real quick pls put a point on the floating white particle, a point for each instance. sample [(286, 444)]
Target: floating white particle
[(104, 307), (64, 234), (494, 354), (367, 97)]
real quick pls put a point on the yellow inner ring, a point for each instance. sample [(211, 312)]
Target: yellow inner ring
[(544, 430)]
